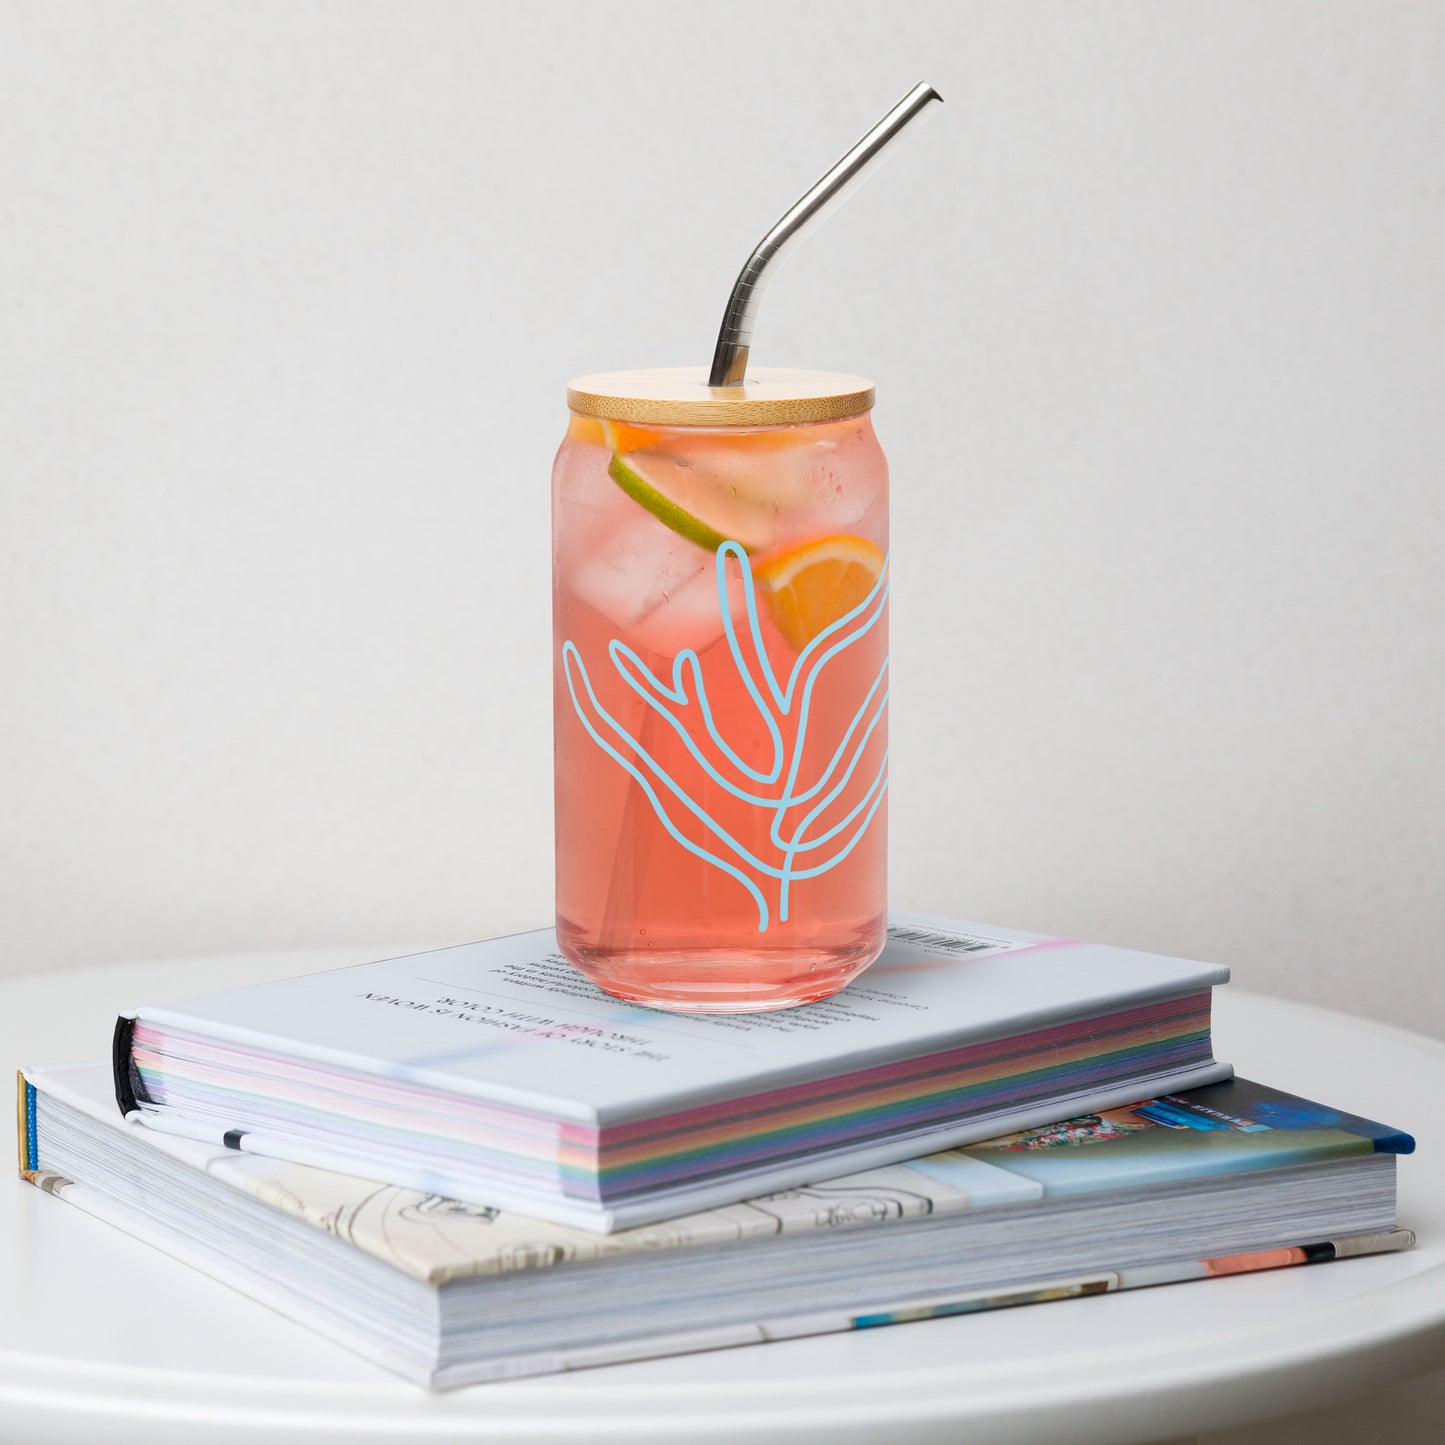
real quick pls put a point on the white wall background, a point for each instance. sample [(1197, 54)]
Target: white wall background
[(288, 296)]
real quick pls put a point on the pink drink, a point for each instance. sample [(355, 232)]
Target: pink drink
[(720, 610)]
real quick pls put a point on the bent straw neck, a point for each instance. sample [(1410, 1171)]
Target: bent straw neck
[(734, 341)]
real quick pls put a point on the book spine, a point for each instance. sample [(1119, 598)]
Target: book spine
[(25, 1141), (122, 1069), (130, 1095)]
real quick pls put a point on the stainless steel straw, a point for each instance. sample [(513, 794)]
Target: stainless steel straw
[(730, 359)]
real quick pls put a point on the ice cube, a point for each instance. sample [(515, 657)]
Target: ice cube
[(632, 569), (689, 616)]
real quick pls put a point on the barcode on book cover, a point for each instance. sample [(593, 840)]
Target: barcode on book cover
[(933, 940)]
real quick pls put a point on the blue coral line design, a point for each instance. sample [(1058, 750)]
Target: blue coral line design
[(662, 776), (789, 875), (789, 849), (783, 699), (657, 695), (622, 656), (795, 798), (570, 655), (800, 847)]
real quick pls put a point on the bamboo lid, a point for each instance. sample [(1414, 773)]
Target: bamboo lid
[(680, 396)]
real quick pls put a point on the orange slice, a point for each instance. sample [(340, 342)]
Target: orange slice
[(814, 584), (628, 438)]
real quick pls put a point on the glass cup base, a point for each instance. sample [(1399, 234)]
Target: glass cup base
[(718, 981)]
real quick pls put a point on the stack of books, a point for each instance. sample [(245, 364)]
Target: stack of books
[(471, 1164)]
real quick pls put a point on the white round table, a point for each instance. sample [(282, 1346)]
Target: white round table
[(103, 1339)]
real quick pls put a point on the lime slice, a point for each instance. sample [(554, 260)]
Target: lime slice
[(668, 512)]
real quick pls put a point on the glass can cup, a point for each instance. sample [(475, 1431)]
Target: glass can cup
[(720, 611)]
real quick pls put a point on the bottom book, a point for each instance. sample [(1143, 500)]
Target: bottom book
[(1219, 1180)]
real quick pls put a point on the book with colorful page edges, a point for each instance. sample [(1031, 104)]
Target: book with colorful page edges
[(494, 1071), (1219, 1180)]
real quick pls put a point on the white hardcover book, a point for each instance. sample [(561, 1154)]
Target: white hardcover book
[(494, 1070), (1230, 1177)]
